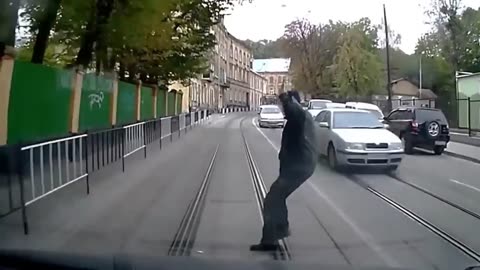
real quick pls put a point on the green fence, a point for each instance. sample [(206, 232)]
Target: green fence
[(126, 103), (161, 109), (39, 103), (41, 97), (95, 103), (171, 101), (146, 101)]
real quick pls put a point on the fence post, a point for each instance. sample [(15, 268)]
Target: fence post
[(469, 118), (171, 132), (85, 147), (145, 139), (160, 128), (123, 150), (22, 188)]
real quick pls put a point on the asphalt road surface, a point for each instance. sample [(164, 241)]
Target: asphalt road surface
[(196, 197)]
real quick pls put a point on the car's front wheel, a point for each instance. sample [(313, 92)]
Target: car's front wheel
[(332, 157), (438, 150)]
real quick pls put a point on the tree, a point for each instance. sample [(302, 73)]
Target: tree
[(307, 45), (8, 23), (264, 49), (156, 41), (357, 67)]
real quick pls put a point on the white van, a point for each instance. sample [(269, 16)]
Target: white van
[(366, 107)]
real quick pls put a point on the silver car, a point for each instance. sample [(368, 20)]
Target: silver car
[(271, 116), (349, 137)]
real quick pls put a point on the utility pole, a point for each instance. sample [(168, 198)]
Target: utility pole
[(420, 75), (387, 49)]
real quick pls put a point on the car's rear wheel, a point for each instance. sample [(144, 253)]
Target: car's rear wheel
[(438, 150), (332, 158), (407, 145)]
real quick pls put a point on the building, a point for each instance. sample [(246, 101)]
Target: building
[(229, 80), (405, 93), (258, 86), (276, 71)]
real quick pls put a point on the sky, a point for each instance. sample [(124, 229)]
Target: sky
[(265, 19)]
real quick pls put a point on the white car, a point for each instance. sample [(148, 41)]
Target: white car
[(350, 137), (318, 104), (314, 112), (271, 116), (372, 108)]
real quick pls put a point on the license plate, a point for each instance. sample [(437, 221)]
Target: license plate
[(377, 156), (440, 143)]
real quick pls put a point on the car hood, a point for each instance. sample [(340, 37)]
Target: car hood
[(271, 115), (367, 135)]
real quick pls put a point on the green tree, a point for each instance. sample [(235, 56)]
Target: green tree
[(264, 49), (357, 67)]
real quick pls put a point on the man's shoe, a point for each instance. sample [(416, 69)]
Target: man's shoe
[(264, 247)]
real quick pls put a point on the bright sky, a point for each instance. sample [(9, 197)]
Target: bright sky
[(265, 19)]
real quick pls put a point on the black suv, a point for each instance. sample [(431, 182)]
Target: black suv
[(419, 127)]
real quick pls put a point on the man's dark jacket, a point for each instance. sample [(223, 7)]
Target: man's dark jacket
[(298, 155)]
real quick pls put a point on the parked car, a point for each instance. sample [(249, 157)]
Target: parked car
[(420, 127), (317, 104), (372, 108), (350, 137), (271, 116), (314, 112)]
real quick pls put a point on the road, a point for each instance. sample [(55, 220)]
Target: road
[(335, 218)]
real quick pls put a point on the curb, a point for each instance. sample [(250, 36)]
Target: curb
[(472, 159)]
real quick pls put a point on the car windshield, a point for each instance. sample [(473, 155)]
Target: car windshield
[(271, 110), (318, 104), (355, 120), (429, 115)]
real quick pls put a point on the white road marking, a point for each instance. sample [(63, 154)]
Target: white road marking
[(366, 237), (265, 136), (465, 185)]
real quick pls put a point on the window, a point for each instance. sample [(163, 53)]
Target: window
[(355, 120), (320, 117), (271, 79)]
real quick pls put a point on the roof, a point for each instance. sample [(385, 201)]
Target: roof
[(271, 65), (363, 105)]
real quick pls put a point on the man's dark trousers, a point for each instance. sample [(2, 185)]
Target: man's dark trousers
[(275, 213)]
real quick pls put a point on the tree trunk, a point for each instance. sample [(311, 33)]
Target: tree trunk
[(8, 23), (45, 26), (94, 33)]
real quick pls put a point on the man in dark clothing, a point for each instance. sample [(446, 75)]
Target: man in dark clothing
[(298, 159)]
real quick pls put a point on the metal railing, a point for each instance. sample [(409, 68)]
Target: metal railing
[(52, 165), (468, 115), (46, 167)]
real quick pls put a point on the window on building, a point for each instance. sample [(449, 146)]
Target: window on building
[(271, 79)]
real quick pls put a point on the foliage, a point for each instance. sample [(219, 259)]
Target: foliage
[(264, 49), (156, 41), (357, 67), (320, 52)]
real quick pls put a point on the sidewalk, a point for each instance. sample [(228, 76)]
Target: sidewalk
[(461, 136), (464, 151)]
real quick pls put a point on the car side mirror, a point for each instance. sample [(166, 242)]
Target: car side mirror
[(385, 118), (386, 126), (323, 124)]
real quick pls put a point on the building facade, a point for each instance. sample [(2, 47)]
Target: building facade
[(276, 72), (229, 80), (258, 86)]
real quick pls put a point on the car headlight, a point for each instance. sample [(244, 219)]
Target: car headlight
[(355, 146), (396, 146)]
